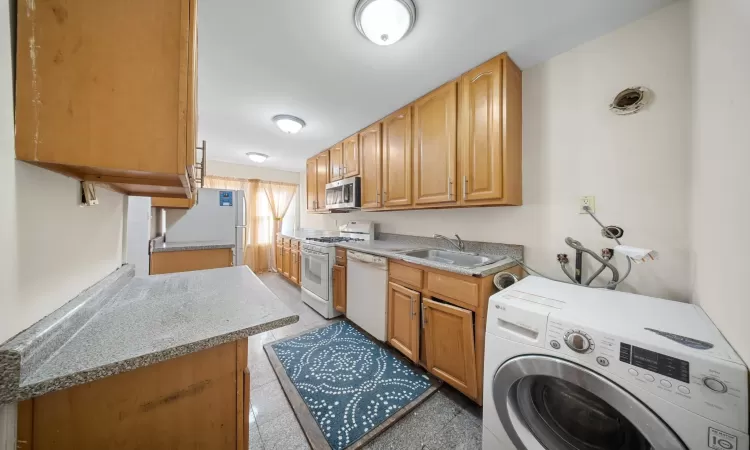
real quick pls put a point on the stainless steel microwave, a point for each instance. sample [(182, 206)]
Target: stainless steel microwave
[(344, 195)]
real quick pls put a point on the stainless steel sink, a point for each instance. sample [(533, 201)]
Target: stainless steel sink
[(459, 259)]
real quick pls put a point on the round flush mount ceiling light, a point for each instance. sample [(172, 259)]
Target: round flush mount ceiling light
[(289, 124), (257, 157), (385, 22)]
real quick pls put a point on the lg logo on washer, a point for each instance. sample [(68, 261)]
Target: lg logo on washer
[(720, 440)]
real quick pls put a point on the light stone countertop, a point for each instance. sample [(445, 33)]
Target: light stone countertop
[(392, 245), (159, 247), (392, 250), (146, 320), (305, 233)]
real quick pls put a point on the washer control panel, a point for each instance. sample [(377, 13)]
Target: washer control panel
[(579, 341), (711, 387)]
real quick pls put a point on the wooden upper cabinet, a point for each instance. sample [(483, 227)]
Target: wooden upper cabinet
[(489, 144), (311, 178), (435, 146), (351, 156), (322, 179), (192, 120), (107, 92), (403, 320), (397, 159), (372, 168), (449, 345), (339, 288), (459, 145), (480, 151), (337, 161)]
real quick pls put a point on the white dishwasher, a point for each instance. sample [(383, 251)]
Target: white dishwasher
[(366, 291)]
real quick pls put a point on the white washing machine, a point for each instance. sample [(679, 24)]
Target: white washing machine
[(571, 368)]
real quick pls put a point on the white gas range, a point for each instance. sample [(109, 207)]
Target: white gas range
[(318, 259)]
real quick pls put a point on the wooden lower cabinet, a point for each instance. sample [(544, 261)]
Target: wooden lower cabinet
[(200, 400), (449, 345), (189, 260), (438, 319), (279, 257), (294, 268), (286, 261), (403, 320), (339, 288)]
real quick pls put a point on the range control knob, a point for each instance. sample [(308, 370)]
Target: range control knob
[(715, 385), (578, 341)]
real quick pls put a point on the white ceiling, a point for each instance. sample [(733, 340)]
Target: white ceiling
[(259, 58)]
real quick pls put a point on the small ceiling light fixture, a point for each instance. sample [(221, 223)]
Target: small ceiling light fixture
[(257, 157), (289, 124), (385, 22)]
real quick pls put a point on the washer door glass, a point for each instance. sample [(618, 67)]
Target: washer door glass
[(565, 416), (549, 403)]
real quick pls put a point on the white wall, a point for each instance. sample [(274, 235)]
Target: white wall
[(224, 169), (636, 166), (721, 158), (51, 249)]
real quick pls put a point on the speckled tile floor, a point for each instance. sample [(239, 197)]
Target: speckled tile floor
[(446, 420)]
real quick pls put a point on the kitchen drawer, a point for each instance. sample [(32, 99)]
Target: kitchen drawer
[(279, 239), (405, 274), (287, 242), (341, 256), (295, 244), (451, 287)]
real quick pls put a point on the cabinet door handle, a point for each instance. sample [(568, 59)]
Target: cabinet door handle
[(385, 196), (411, 307), (424, 316), (377, 198), (450, 188), (466, 185)]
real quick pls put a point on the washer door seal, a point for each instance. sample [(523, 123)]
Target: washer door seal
[(515, 378)]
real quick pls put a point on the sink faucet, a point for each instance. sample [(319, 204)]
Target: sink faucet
[(459, 246)]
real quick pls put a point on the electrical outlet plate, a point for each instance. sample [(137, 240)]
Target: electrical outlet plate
[(587, 200)]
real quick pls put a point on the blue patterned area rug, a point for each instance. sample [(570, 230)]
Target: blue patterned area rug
[(352, 387)]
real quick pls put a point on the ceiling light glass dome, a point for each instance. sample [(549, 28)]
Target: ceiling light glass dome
[(289, 124), (385, 22), (256, 157)]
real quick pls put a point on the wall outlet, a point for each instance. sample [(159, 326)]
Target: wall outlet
[(587, 200)]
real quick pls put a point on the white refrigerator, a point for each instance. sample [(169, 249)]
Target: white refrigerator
[(219, 216)]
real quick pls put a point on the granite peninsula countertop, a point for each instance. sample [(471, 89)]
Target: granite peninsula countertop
[(159, 247), (142, 321)]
